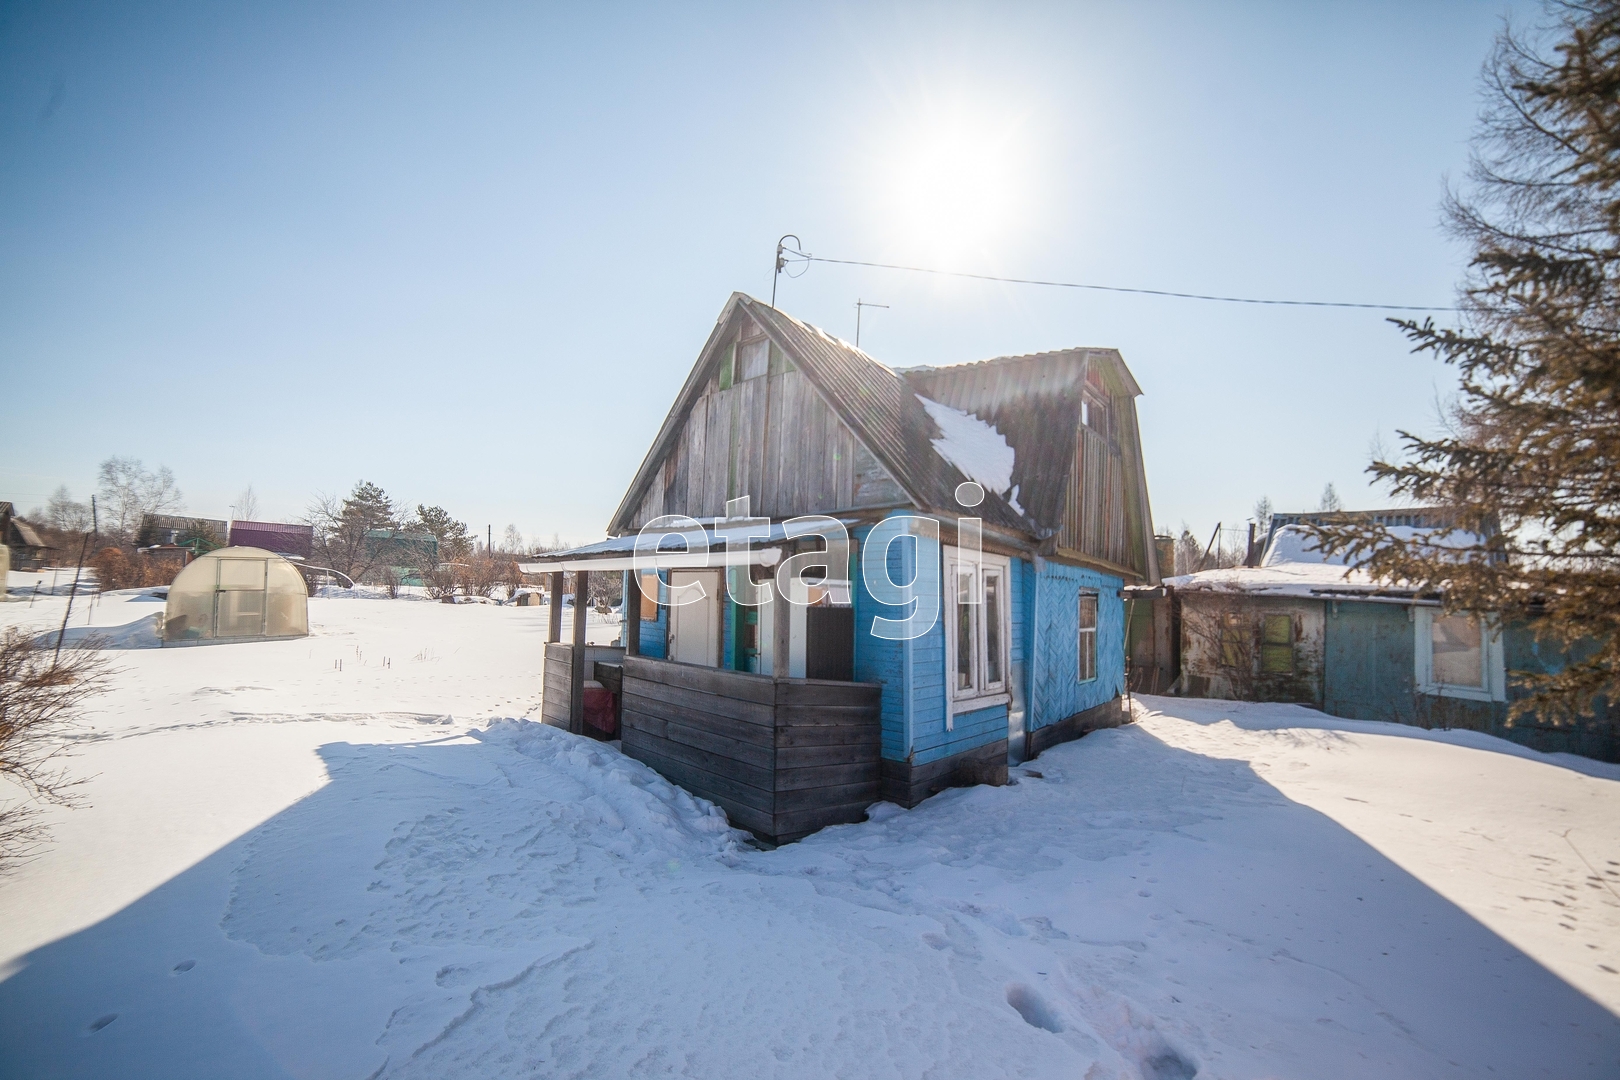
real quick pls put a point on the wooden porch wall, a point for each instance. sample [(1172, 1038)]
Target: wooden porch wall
[(775, 440), (555, 695), (783, 757)]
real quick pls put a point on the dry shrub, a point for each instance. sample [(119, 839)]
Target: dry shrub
[(114, 570), (41, 696), (117, 570)]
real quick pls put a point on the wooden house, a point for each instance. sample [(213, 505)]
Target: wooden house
[(25, 549), (795, 716)]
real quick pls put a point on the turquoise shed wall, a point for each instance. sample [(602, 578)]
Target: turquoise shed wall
[(1367, 662), (1368, 674), (1058, 693)]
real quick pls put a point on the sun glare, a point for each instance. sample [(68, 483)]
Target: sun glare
[(955, 183)]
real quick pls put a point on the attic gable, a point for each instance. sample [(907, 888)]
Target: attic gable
[(748, 421)]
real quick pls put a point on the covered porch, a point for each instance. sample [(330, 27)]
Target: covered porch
[(753, 708)]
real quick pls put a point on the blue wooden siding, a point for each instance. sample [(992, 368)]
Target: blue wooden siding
[(876, 659), (654, 632), (1058, 692), (881, 661)]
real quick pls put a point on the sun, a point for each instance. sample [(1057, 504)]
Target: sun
[(954, 182)]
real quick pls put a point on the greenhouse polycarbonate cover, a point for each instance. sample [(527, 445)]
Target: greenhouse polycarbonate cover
[(236, 593)]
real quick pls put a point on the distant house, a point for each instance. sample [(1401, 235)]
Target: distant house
[(794, 716), (26, 549), (286, 540), (1304, 628), (404, 554), (199, 535)]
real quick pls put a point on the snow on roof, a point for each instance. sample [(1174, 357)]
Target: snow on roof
[(975, 447), (1297, 543), (1293, 565)]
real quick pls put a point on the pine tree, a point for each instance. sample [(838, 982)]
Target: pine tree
[(369, 507), (1534, 438), (454, 542)]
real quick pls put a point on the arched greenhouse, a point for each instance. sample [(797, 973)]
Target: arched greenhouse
[(236, 594)]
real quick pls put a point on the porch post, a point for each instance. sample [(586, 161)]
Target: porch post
[(554, 630), (576, 698), (632, 613)]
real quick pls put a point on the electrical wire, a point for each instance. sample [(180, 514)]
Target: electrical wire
[(808, 258)]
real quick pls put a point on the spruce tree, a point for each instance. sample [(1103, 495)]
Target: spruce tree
[(1529, 457)]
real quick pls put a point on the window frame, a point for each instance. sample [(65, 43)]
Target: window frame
[(1493, 676), (982, 694), (1266, 644), (1084, 633)]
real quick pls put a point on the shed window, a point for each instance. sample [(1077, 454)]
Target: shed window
[(1277, 645), (1458, 659), (1087, 666)]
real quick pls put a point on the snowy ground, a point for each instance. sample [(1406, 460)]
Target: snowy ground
[(294, 870)]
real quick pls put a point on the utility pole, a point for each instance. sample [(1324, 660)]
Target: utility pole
[(859, 303)]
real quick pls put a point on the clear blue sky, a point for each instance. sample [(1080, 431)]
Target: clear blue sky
[(470, 251)]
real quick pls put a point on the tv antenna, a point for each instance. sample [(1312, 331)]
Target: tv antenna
[(859, 303)]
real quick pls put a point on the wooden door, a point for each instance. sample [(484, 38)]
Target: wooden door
[(694, 628)]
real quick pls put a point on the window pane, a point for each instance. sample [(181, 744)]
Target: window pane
[(1277, 659), (1279, 630), (992, 629), (649, 597), (964, 633), (1087, 662), (753, 359), (1456, 641)]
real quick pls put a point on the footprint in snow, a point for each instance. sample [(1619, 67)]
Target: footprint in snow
[(183, 966), (1033, 1008), (102, 1021)]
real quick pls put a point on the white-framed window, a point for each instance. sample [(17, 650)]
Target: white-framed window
[(1086, 665), (1458, 655), (977, 628)]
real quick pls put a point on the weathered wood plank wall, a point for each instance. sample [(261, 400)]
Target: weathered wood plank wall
[(555, 696), (774, 440), (783, 757)]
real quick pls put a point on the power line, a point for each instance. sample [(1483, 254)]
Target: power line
[(784, 254)]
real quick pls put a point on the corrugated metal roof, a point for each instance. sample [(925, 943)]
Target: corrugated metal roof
[(1034, 401)]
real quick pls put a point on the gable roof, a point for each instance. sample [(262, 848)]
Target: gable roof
[(872, 400)]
